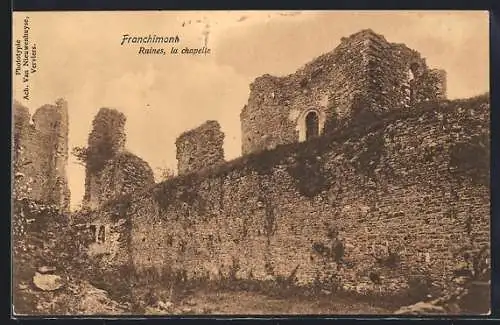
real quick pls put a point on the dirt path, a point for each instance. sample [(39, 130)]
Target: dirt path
[(235, 303)]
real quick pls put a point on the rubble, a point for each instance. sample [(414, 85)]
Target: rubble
[(47, 282)]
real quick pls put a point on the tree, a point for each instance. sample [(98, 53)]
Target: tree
[(81, 154), (165, 173)]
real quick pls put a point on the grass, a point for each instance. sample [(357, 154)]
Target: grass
[(83, 300), (230, 297), (240, 297), (226, 302)]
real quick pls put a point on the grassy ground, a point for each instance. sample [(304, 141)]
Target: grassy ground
[(252, 303), (84, 299)]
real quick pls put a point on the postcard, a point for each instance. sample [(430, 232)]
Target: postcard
[(251, 163)]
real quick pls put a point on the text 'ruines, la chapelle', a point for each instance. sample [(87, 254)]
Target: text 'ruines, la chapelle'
[(161, 45)]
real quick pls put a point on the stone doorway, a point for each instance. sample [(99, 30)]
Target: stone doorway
[(312, 125)]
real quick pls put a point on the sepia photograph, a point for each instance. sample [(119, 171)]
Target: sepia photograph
[(250, 163)]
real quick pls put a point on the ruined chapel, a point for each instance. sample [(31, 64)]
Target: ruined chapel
[(359, 147)]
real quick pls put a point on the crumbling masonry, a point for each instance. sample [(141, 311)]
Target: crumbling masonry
[(358, 150), (358, 147), (40, 154), (111, 170), (200, 148), (364, 76)]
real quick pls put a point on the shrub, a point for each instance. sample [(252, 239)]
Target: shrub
[(419, 287), (43, 236)]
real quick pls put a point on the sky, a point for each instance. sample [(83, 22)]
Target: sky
[(80, 58)]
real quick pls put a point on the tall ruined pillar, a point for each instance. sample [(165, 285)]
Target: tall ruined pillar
[(20, 132), (61, 189), (439, 80), (21, 160), (200, 148), (106, 140), (41, 153)]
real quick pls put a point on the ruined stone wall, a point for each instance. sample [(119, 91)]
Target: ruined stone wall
[(364, 76), (112, 175), (200, 148), (124, 174), (109, 250), (40, 154), (111, 171), (415, 183), (439, 82)]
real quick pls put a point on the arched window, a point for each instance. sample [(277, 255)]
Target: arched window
[(409, 88), (93, 231), (414, 70), (312, 125)]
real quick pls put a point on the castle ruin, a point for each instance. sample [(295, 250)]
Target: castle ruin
[(358, 147), (200, 148), (111, 170), (364, 76), (40, 154)]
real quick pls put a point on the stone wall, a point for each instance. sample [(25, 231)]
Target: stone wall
[(200, 148), (109, 250), (124, 174), (40, 154), (111, 170), (364, 76), (112, 173), (402, 195), (439, 77)]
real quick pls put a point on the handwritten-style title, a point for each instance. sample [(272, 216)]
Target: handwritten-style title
[(162, 45)]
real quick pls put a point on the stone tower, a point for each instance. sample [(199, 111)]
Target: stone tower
[(200, 148), (363, 77), (111, 171), (40, 153), (106, 139)]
